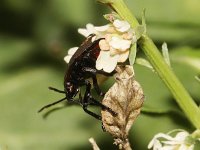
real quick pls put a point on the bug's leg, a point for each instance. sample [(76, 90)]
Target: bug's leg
[(86, 101), (56, 90), (104, 107), (94, 72), (91, 113), (89, 100), (96, 86), (51, 104), (80, 96)]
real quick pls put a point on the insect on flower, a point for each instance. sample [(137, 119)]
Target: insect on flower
[(81, 68)]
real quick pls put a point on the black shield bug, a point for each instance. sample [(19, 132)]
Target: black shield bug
[(81, 68)]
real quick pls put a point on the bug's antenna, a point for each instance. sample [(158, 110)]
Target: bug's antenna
[(49, 105), (56, 90)]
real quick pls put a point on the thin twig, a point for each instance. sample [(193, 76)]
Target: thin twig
[(94, 144)]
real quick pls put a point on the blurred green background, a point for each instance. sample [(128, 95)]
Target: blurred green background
[(35, 36)]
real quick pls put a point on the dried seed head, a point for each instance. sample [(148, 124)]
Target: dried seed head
[(125, 98)]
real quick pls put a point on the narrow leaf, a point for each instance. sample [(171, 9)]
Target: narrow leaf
[(188, 56), (139, 31), (145, 63), (144, 20), (165, 53), (197, 78), (132, 54), (153, 110)]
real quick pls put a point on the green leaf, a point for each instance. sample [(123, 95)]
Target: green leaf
[(197, 78), (13, 50), (105, 1), (76, 12), (22, 94), (132, 54), (144, 62), (188, 56), (153, 110), (144, 20), (165, 53), (139, 31)]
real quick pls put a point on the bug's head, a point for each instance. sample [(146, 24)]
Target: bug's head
[(71, 90)]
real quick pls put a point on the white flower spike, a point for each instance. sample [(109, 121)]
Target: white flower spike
[(163, 141), (117, 38)]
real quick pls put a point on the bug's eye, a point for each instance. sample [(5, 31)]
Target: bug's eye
[(68, 83), (70, 88)]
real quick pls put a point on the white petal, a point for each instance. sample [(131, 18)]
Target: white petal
[(183, 147), (100, 60), (110, 65), (123, 56), (119, 43), (84, 32), (191, 147), (102, 28), (67, 58), (172, 142), (89, 30), (186, 147), (167, 147), (155, 144), (106, 62), (104, 45), (121, 26), (113, 51), (94, 38), (72, 50), (108, 37), (111, 30), (181, 136), (178, 139), (162, 135)]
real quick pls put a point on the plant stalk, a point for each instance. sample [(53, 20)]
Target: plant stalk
[(180, 94)]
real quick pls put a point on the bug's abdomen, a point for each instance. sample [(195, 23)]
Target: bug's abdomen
[(87, 59)]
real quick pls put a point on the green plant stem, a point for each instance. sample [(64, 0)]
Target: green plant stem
[(180, 94)]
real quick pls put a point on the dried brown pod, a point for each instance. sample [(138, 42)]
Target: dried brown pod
[(125, 98)]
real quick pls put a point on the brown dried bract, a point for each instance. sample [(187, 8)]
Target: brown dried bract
[(125, 98)]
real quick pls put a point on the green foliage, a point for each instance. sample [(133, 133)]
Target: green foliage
[(132, 54), (34, 38)]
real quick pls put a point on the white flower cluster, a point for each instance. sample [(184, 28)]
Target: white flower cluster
[(115, 45), (163, 141)]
